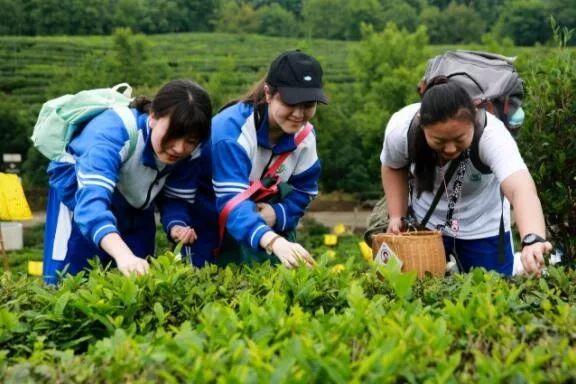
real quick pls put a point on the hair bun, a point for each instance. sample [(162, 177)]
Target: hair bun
[(436, 81)]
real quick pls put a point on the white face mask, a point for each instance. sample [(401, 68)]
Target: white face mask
[(516, 120)]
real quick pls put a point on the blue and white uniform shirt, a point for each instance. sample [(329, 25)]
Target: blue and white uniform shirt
[(241, 153), (100, 170)]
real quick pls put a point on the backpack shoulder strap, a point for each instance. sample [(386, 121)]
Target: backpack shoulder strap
[(299, 138), (479, 125), (411, 138), (448, 176), (129, 121)]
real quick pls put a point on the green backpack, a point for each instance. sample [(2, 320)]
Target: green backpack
[(60, 118)]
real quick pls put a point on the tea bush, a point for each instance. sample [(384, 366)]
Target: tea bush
[(548, 141), (355, 323)]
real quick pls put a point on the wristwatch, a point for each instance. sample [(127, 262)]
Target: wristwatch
[(532, 238)]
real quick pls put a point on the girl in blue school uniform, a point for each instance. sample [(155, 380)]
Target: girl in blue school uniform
[(101, 196), (259, 198)]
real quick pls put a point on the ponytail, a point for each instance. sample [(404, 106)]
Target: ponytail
[(142, 104), (255, 96)]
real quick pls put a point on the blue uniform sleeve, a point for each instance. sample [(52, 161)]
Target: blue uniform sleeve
[(98, 152), (292, 207), (231, 171), (62, 179)]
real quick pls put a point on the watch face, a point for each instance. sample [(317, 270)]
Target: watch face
[(532, 238)]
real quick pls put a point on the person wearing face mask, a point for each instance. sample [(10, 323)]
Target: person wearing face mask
[(269, 123), (471, 211), (101, 196)]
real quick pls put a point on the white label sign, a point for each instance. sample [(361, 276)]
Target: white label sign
[(384, 254), (12, 158)]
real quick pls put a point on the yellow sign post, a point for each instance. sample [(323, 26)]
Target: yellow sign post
[(13, 206)]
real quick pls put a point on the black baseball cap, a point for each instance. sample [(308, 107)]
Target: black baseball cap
[(298, 78)]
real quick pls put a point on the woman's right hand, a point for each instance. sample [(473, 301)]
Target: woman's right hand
[(292, 255), (395, 225), (126, 261), (129, 265)]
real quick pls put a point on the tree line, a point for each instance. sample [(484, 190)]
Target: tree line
[(524, 22)]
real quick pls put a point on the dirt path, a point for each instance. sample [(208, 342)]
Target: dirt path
[(355, 220)]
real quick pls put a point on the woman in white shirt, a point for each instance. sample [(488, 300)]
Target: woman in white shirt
[(471, 211)]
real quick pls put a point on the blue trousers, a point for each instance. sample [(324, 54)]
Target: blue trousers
[(65, 248), (204, 219), (482, 253), (202, 251)]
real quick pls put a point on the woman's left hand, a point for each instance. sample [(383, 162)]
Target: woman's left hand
[(187, 235), (533, 257), (267, 212)]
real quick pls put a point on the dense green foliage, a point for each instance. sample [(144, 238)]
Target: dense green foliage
[(14, 125), (552, 125), (364, 323), (448, 22), (74, 17)]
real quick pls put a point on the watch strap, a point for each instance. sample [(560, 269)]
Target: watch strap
[(532, 238)]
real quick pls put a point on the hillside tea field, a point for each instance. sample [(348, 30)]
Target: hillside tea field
[(366, 81), (344, 321), (30, 65)]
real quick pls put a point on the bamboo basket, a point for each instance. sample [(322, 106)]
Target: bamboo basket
[(419, 251)]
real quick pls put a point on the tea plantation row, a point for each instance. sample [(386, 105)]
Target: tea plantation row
[(28, 65), (352, 323)]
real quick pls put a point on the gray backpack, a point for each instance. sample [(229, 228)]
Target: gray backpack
[(490, 79)]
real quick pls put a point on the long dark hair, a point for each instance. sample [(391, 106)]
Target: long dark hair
[(255, 96), (441, 101), (188, 106)]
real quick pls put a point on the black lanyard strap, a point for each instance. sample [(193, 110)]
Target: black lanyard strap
[(454, 165)]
